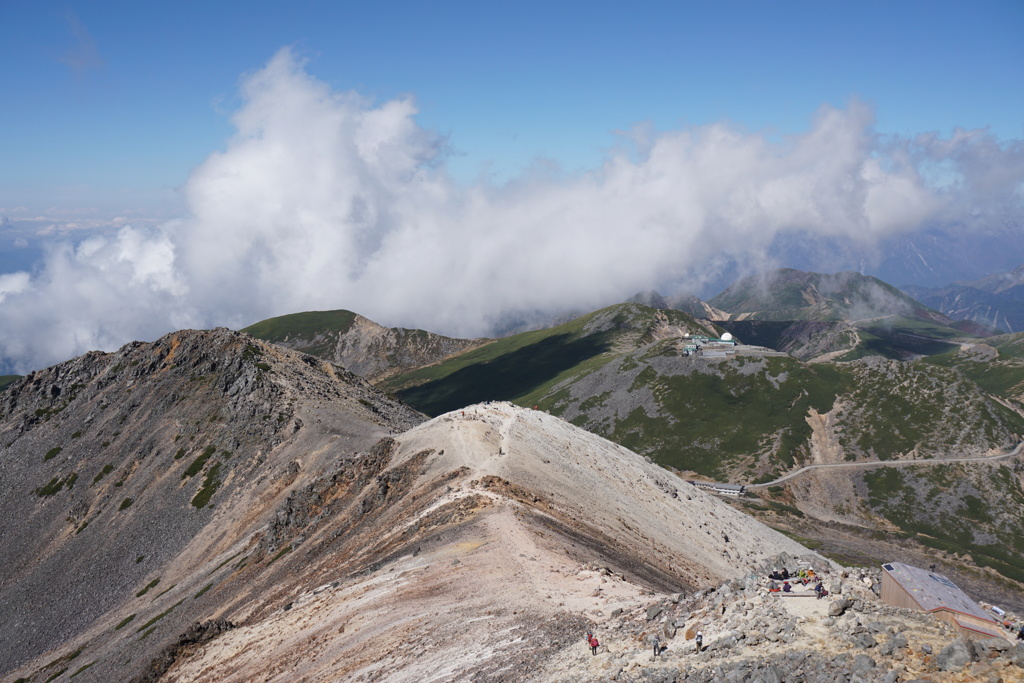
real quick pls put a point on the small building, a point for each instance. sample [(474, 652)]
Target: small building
[(720, 488), (914, 588)]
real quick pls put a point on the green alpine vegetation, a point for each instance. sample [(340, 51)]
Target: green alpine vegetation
[(523, 368), (620, 372), (950, 508), (306, 325), (356, 343), (996, 364)]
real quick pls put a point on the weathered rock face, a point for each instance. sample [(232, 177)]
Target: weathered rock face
[(123, 475), (321, 516)]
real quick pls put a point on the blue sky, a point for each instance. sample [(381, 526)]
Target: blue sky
[(449, 165), (111, 104)]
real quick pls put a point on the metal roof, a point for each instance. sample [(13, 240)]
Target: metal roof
[(718, 485), (933, 591)]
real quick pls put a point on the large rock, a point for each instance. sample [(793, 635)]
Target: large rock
[(862, 663), (839, 607), (956, 655), (986, 645)]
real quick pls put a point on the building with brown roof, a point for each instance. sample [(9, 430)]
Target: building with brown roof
[(914, 588)]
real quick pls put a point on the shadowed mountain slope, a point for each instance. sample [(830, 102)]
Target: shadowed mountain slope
[(523, 367)]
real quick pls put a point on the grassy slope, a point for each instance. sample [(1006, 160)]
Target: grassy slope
[(741, 419), (523, 367), (744, 419), (706, 417), (949, 507), (900, 338), (1002, 375), (892, 408), (7, 380), (312, 326)]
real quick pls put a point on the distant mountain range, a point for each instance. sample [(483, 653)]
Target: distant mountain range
[(996, 300), (788, 294), (927, 258), (840, 316)]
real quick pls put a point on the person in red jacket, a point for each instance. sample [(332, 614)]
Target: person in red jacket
[(593, 645)]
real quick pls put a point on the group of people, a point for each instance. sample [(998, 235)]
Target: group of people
[(593, 643), (803, 577)]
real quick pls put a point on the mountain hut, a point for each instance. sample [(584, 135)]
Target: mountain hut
[(720, 487), (914, 588)]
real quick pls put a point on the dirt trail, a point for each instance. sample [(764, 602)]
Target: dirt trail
[(889, 463)]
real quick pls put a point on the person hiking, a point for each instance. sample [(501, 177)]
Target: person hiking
[(1020, 633), (786, 588), (656, 641), (700, 641), (594, 644)]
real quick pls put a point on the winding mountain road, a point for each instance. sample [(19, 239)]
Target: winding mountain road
[(890, 463)]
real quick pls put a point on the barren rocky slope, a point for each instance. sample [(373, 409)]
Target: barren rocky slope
[(322, 551), (527, 532), (212, 508), (129, 480)]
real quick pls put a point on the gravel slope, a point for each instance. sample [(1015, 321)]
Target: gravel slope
[(558, 529)]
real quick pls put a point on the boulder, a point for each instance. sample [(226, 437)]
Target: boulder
[(956, 655), (864, 641), (862, 663), (1016, 654), (839, 607), (986, 645)]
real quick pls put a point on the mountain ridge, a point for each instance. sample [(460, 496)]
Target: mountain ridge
[(357, 343), (213, 486)]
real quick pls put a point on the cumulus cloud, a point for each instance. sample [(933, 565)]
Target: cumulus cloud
[(327, 200)]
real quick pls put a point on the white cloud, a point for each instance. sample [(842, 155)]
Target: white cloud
[(13, 283), (326, 200)]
